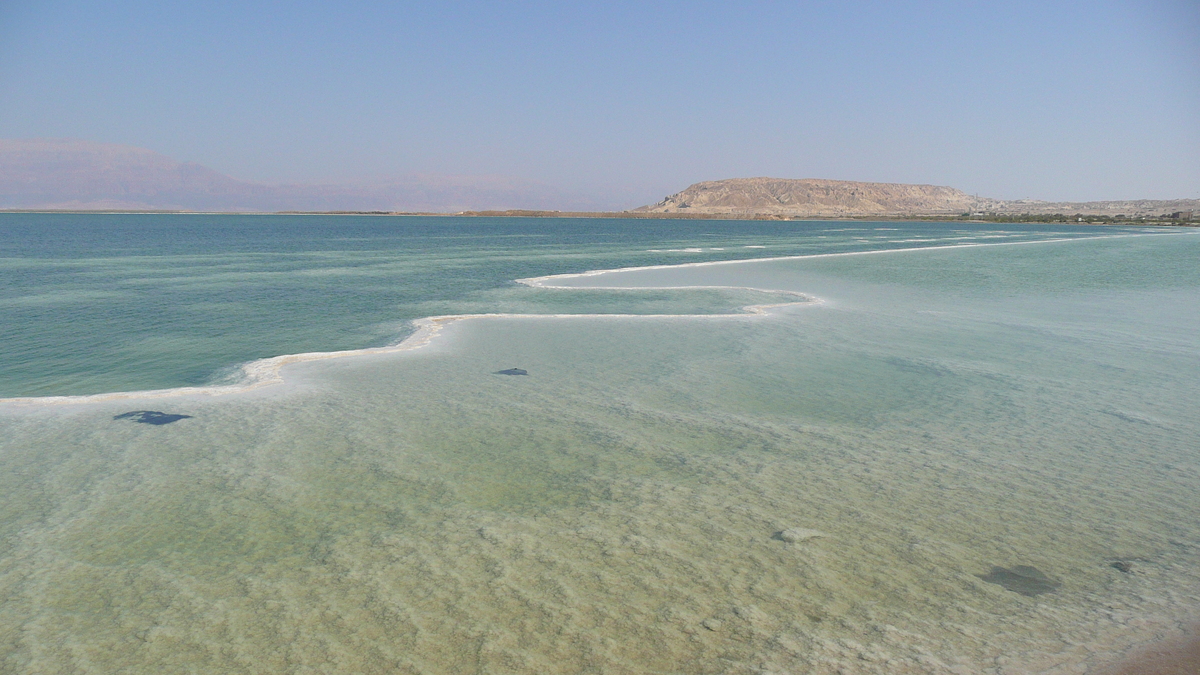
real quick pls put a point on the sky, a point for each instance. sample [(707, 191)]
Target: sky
[(629, 101)]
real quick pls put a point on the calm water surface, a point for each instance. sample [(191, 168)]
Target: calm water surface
[(917, 461), (98, 303)]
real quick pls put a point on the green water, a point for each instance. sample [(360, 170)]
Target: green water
[(92, 304), (933, 413)]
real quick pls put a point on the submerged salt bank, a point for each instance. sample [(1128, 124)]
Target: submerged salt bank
[(624, 507)]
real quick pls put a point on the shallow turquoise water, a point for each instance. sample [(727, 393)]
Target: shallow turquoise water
[(932, 413), (98, 303)]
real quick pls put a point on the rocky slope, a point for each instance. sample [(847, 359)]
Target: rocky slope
[(814, 197), (835, 198)]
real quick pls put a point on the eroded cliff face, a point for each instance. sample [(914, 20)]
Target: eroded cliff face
[(814, 197)]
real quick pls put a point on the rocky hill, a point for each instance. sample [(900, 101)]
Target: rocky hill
[(814, 197), (849, 199)]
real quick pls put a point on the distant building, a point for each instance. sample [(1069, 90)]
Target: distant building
[(1182, 215)]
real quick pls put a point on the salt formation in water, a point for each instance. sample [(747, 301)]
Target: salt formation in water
[(1022, 579), (797, 535), (151, 417), (398, 512)]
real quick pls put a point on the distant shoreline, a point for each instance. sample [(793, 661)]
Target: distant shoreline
[(1068, 219)]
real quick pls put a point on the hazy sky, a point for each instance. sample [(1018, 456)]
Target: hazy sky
[(1046, 99)]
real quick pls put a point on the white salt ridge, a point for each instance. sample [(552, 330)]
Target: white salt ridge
[(266, 372)]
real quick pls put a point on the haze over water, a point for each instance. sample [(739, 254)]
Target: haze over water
[(928, 414)]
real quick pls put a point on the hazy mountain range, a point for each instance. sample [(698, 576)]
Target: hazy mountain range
[(83, 175)]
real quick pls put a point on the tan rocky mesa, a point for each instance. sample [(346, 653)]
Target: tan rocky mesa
[(814, 197)]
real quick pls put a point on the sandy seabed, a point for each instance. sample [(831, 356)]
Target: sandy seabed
[(1178, 655)]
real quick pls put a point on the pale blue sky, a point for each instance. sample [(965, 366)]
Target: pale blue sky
[(1049, 99)]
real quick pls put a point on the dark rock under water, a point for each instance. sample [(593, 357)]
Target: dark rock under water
[(151, 417), (512, 371), (1021, 579)]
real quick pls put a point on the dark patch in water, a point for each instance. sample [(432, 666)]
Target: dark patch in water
[(512, 371), (1132, 418), (1123, 566), (1021, 579), (151, 417), (918, 367)]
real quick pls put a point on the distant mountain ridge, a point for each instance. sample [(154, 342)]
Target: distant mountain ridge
[(813, 197), (65, 174), (84, 175)]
